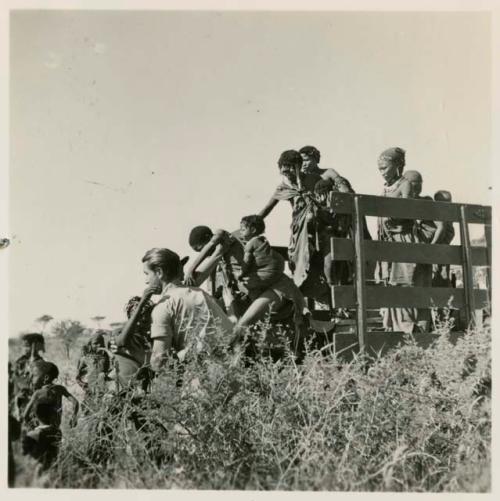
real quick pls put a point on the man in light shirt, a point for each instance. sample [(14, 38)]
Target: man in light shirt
[(185, 319)]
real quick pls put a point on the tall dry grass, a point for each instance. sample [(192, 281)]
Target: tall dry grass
[(413, 420)]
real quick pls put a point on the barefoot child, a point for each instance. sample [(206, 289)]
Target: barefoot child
[(44, 374), (262, 267)]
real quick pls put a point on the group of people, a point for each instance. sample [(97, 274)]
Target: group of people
[(246, 282), (35, 405)]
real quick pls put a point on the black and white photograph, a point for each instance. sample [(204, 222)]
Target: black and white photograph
[(248, 247)]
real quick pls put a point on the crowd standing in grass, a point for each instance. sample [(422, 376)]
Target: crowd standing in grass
[(248, 286)]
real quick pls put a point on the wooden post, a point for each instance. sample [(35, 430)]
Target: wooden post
[(487, 235), (467, 267), (360, 272)]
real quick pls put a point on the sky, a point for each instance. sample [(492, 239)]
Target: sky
[(129, 128)]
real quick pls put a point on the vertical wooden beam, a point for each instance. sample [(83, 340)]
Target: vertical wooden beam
[(487, 235), (467, 267), (360, 272)]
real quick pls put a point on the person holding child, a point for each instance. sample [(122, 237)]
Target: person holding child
[(133, 345), (391, 164)]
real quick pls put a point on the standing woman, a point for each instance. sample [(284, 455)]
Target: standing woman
[(391, 163)]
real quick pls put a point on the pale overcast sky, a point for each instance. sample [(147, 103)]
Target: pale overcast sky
[(129, 128)]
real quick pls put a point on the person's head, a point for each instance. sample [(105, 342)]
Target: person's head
[(250, 226), (310, 158), (144, 321), (43, 373), (442, 196), (96, 341), (288, 163), (33, 341), (391, 163), (415, 179), (161, 266), (199, 237)]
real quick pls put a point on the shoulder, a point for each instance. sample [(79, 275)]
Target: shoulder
[(328, 174), (59, 388)]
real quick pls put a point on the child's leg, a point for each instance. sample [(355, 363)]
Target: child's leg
[(327, 268), (257, 311)]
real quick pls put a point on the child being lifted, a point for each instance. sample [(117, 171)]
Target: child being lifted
[(262, 266)]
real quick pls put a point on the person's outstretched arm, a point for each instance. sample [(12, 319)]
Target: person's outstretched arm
[(268, 207), (439, 233)]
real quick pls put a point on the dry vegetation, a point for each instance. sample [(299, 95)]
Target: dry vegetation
[(413, 420)]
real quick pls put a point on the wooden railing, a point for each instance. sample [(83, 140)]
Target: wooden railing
[(361, 296)]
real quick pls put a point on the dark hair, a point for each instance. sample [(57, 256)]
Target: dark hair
[(255, 222), (47, 369), (442, 196), (33, 337), (163, 259), (312, 152), (144, 320), (290, 157), (200, 235)]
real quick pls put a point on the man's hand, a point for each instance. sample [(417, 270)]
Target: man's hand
[(150, 291)]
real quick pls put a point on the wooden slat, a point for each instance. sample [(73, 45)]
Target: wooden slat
[(407, 297), (467, 267), (487, 234), (343, 250), (360, 271), (411, 209), (477, 214)]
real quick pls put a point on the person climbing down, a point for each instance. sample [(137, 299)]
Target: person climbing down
[(262, 266)]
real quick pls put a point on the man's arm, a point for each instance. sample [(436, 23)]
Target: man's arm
[(161, 348), (191, 277), (268, 207)]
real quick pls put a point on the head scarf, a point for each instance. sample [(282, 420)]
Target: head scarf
[(442, 196), (395, 155), (413, 176)]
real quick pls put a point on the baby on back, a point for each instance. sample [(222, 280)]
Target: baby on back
[(262, 266)]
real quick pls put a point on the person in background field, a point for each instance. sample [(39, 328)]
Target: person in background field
[(44, 374), (43, 442), (391, 163), (133, 347), (186, 321), (94, 364), (33, 343), (263, 266)]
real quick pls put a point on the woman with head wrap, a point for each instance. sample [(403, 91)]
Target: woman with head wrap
[(390, 164)]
